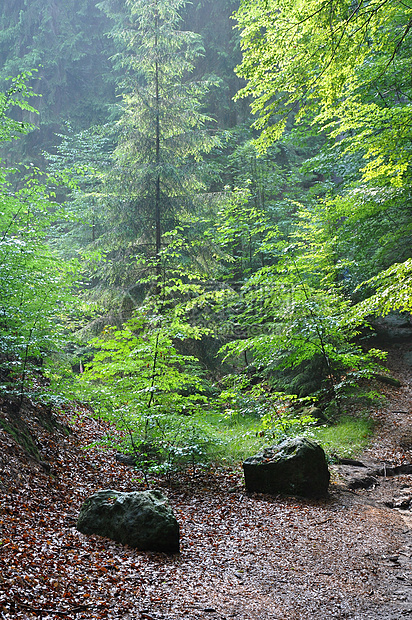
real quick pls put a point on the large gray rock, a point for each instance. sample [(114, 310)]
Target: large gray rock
[(294, 467), (143, 520)]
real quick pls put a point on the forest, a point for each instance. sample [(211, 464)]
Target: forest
[(205, 219), (192, 237)]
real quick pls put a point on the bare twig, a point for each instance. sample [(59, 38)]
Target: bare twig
[(42, 610)]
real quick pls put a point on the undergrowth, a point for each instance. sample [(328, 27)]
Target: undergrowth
[(347, 437), (234, 442)]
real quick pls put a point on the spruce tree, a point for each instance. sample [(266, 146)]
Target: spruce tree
[(65, 43), (162, 132)]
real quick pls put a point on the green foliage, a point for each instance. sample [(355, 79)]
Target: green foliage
[(138, 366), (393, 292), (277, 426), (15, 98), (273, 412), (86, 157), (342, 63), (34, 283), (339, 70), (140, 379), (295, 315), (238, 232)]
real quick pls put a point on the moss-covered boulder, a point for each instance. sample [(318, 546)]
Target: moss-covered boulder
[(143, 520), (294, 467)]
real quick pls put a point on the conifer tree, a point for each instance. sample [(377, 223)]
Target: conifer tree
[(65, 42), (162, 130)]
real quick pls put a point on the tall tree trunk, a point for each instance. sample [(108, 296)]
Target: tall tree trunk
[(157, 196)]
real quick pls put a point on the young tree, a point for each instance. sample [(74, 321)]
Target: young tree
[(150, 191), (297, 322), (162, 130)]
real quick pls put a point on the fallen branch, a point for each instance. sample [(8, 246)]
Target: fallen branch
[(352, 462), (324, 521), (39, 611)]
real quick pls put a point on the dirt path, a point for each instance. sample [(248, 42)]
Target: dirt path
[(390, 497)]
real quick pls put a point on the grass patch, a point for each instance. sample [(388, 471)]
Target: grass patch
[(233, 439), (236, 439), (347, 438)]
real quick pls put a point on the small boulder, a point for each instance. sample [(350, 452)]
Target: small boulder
[(294, 467), (144, 520)]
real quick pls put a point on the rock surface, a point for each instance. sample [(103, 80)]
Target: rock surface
[(143, 520), (294, 467)]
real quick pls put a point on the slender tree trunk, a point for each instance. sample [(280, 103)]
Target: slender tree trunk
[(157, 138)]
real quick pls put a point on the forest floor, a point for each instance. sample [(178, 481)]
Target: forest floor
[(243, 556)]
